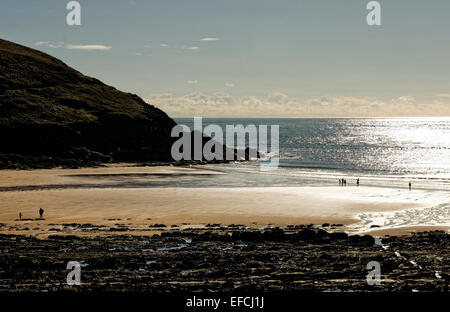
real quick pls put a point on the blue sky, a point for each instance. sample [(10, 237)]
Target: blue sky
[(282, 58)]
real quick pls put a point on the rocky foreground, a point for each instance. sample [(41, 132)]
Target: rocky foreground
[(297, 258)]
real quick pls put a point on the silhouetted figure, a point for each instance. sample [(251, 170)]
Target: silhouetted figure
[(345, 182), (41, 213), (410, 186), (340, 182), (20, 216), (357, 182)]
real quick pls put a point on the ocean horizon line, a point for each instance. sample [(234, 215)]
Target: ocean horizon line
[(274, 118)]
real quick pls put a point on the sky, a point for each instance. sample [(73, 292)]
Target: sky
[(252, 58)]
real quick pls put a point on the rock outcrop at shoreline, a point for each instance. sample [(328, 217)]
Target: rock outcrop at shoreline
[(230, 259), (52, 115)]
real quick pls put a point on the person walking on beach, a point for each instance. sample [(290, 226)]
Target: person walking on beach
[(410, 186), (340, 182), (357, 182), (41, 212), (20, 216)]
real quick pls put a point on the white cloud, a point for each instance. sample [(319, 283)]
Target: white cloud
[(49, 44), (192, 81), (405, 98), (140, 54), (88, 47), (57, 45), (191, 48), (229, 85), (210, 39), (163, 45)]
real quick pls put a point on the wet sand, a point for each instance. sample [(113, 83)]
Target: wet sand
[(67, 197)]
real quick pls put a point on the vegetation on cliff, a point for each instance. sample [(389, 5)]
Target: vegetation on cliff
[(50, 114)]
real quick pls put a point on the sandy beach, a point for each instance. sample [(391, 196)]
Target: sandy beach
[(94, 196)]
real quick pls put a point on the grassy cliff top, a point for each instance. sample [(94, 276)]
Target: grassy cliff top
[(36, 88)]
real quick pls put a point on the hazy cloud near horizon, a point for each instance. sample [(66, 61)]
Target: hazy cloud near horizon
[(277, 104), (87, 47)]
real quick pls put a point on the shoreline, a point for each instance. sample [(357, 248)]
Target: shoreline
[(107, 197)]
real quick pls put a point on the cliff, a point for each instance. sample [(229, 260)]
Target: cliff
[(51, 114)]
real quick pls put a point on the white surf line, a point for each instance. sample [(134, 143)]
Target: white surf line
[(379, 242), (434, 215)]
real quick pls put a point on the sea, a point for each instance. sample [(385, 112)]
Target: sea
[(378, 151), (385, 153)]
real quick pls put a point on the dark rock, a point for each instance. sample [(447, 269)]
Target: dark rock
[(64, 237), (322, 235), (307, 235), (157, 226), (28, 264), (365, 240), (119, 229), (369, 240), (251, 236), (275, 234), (338, 235)]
